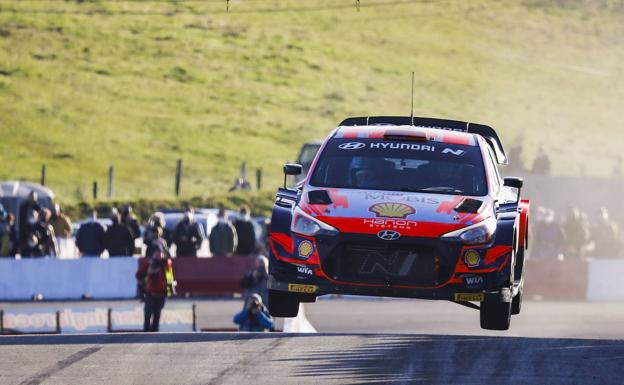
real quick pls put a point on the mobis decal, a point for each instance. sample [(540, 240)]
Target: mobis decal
[(384, 196)]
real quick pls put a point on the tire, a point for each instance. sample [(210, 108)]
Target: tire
[(495, 315), (283, 304)]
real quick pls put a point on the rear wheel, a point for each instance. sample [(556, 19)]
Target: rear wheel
[(283, 304), (495, 315)]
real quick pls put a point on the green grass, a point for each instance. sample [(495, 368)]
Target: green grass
[(138, 84)]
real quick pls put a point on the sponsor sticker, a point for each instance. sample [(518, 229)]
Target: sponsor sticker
[(473, 281), (392, 210), (469, 297), (394, 224), (304, 270), (454, 152), (305, 249), (297, 288), (472, 258), (384, 196), (352, 146)]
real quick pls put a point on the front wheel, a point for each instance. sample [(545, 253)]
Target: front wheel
[(495, 315), (283, 304)]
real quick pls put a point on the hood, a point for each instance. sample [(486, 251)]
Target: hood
[(412, 214)]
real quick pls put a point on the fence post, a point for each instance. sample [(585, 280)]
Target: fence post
[(111, 174), (178, 177), (58, 322), (95, 188), (109, 323), (2, 321), (43, 175), (194, 320), (259, 179)]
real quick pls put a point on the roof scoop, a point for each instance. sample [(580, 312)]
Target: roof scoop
[(406, 134)]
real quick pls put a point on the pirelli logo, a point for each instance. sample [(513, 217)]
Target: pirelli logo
[(295, 288), (469, 297)]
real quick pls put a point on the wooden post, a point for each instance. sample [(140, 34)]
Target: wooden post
[(194, 320), (95, 188), (109, 326), (178, 177), (111, 174), (1, 322), (259, 179), (43, 174), (58, 322)]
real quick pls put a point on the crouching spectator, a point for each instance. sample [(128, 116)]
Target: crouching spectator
[(155, 281), (254, 317)]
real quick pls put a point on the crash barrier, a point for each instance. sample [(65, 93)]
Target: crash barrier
[(176, 317), (217, 276), (593, 279), (113, 278), (63, 279)]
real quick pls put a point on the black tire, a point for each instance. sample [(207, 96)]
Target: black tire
[(283, 304), (495, 315), (516, 303)]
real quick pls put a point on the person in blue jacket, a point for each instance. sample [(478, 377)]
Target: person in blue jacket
[(254, 317)]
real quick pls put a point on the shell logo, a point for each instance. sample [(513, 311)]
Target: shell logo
[(472, 258), (305, 249), (392, 210)]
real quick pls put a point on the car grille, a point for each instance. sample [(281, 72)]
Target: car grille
[(417, 264)]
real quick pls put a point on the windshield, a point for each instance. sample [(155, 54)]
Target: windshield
[(377, 164)]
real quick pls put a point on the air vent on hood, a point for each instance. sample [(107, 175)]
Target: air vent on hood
[(319, 197), (469, 205)]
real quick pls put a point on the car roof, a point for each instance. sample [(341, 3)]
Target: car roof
[(379, 131)]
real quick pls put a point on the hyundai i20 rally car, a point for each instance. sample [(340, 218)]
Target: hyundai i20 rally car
[(402, 207)]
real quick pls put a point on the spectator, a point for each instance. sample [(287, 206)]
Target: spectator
[(223, 238), (129, 220), (26, 208), (118, 239), (155, 277), (516, 164), (13, 235), (60, 223), (541, 164), (254, 317), (606, 236), (90, 237), (37, 239), (5, 233), (154, 236), (576, 232), (245, 233), (255, 281), (188, 235)]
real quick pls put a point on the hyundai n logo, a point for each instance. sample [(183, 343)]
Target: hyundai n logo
[(454, 152), (389, 235), (351, 146)]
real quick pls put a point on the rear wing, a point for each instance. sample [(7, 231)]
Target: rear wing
[(486, 132)]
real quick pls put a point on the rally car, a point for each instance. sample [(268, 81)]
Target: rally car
[(402, 207)]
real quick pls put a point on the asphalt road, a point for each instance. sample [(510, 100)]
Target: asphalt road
[(276, 358), (421, 342)]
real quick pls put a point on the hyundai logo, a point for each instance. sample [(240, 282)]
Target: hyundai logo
[(389, 235), (351, 146)]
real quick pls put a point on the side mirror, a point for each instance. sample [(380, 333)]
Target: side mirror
[(292, 169), (513, 182)]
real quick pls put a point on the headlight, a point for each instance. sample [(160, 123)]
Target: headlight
[(478, 233), (305, 224)]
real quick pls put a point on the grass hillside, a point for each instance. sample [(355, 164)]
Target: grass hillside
[(139, 84)]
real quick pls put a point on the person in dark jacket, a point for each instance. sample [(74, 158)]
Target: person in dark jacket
[(90, 237), (188, 235), (118, 239), (28, 206), (155, 277), (255, 281), (129, 220), (37, 238), (5, 233), (254, 317), (154, 237), (245, 232), (223, 239)]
